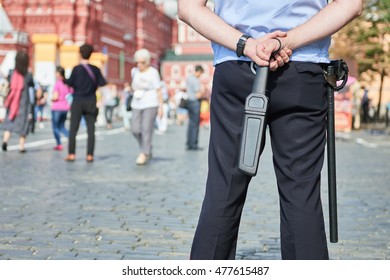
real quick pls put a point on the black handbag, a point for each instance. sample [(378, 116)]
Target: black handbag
[(96, 113), (183, 103)]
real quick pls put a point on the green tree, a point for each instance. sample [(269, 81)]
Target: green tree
[(366, 40)]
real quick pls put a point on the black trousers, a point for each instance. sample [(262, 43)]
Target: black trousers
[(108, 113), (82, 106), (297, 125)]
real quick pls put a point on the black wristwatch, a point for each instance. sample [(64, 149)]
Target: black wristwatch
[(241, 44)]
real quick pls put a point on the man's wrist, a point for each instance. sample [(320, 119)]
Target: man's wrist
[(241, 45)]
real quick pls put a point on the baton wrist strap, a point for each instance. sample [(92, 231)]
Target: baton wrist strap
[(280, 46)]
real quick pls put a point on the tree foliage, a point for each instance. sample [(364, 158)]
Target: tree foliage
[(366, 40)]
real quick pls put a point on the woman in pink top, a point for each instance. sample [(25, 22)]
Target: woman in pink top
[(60, 107)]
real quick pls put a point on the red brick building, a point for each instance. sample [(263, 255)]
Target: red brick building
[(53, 30)]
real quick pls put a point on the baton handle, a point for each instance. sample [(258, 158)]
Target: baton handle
[(253, 137)]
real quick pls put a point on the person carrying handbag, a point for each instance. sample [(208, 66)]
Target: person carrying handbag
[(84, 79)]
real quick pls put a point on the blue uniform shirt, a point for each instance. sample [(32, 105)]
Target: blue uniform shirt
[(258, 18)]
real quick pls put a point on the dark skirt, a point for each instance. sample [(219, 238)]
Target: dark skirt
[(20, 124)]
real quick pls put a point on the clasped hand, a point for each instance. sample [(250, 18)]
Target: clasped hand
[(261, 50)]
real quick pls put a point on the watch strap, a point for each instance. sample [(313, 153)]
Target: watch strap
[(241, 44)]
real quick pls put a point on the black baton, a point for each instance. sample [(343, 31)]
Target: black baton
[(337, 70), (252, 141)]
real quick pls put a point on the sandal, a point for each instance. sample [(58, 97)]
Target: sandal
[(142, 159)]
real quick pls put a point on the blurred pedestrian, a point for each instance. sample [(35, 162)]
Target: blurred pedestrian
[(110, 101), (162, 122), (180, 112), (41, 101), (18, 102), (146, 104), (60, 107), (33, 93), (365, 105), (84, 79), (4, 86), (126, 110), (204, 113), (195, 92)]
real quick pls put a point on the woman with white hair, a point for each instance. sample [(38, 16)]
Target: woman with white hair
[(146, 104)]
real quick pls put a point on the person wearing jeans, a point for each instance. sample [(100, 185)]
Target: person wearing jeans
[(195, 92), (110, 102), (59, 108), (193, 107), (58, 124)]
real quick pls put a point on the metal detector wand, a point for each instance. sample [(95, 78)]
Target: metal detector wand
[(252, 142)]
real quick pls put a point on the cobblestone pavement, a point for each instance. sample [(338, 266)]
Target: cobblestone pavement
[(112, 209)]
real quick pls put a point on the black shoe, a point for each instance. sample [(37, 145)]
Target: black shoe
[(22, 151), (89, 158), (4, 146)]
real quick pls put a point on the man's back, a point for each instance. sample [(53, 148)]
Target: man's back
[(193, 86), (259, 18)]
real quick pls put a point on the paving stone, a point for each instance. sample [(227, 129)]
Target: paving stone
[(114, 210)]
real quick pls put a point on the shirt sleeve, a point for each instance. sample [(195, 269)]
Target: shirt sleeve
[(193, 87), (70, 81)]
